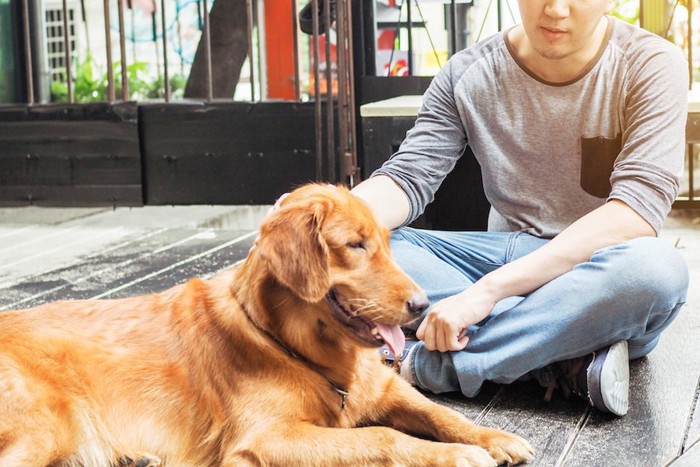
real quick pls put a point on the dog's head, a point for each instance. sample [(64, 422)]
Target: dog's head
[(324, 244)]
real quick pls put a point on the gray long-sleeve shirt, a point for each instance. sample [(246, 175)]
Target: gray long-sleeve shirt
[(550, 153)]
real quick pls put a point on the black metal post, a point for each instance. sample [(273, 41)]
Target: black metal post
[(453, 27), (207, 51), (318, 113), (409, 20), (330, 123), (66, 51), (295, 36), (122, 52), (28, 68), (166, 77), (251, 64)]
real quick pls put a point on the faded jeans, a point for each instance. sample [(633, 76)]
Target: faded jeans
[(631, 291)]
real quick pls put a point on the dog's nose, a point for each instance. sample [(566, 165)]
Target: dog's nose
[(417, 303)]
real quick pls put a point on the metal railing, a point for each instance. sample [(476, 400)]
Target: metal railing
[(335, 111), (107, 21)]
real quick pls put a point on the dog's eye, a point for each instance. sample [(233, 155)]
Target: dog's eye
[(356, 245)]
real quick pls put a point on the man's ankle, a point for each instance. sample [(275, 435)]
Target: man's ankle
[(405, 371)]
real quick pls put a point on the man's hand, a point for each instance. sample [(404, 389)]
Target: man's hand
[(445, 326)]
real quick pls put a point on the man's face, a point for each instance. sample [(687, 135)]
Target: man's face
[(560, 29)]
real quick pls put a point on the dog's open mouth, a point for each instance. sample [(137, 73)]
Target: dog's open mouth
[(366, 330)]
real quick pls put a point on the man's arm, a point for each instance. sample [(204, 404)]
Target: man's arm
[(444, 327), (387, 200)]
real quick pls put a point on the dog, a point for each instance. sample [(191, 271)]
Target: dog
[(273, 362)]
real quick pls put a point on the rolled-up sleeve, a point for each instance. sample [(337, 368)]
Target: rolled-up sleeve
[(431, 148), (648, 171)]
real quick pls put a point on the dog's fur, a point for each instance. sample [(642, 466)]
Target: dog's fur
[(237, 370)]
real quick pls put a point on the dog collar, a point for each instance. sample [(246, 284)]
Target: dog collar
[(337, 388)]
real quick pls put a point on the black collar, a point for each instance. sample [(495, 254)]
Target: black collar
[(286, 348)]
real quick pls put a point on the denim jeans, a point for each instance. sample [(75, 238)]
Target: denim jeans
[(631, 291)]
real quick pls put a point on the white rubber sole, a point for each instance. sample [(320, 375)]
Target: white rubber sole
[(609, 380)]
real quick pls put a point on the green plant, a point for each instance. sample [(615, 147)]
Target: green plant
[(177, 87), (88, 86), (136, 76)]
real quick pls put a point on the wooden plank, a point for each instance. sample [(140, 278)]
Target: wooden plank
[(70, 155), (41, 248), (144, 265), (40, 194), (13, 220), (212, 258), (691, 458), (27, 250), (693, 436), (548, 426), (475, 408), (59, 283), (226, 153)]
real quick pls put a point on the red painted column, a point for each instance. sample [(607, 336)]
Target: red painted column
[(279, 53)]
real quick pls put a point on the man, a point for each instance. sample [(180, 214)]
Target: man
[(577, 121)]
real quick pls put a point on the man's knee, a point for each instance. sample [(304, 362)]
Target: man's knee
[(648, 267)]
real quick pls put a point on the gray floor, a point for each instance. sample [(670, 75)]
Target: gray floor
[(48, 254)]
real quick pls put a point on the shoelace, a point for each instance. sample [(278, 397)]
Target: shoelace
[(565, 376)]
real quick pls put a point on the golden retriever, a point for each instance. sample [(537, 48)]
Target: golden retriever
[(273, 362)]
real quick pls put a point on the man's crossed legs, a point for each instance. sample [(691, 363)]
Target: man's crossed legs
[(577, 330)]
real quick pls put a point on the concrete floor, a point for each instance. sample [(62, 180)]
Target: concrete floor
[(49, 253)]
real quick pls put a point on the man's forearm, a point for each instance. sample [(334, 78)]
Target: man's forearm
[(611, 224), (388, 202)]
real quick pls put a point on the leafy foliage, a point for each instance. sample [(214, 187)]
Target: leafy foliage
[(91, 86)]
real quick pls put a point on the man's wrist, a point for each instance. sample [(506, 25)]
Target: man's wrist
[(488, 287)]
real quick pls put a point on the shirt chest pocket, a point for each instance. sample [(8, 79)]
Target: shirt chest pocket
[(597, 160)]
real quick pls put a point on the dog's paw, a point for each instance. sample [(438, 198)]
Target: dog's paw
[(463, 455), (140, 460), (508, 448)]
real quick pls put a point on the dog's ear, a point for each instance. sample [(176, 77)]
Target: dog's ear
[(297, 255)]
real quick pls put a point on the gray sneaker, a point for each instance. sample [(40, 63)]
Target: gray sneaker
[(390, 360), (601, 378)]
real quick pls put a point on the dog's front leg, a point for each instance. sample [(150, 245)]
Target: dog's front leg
[(408, 410), (311, 445)]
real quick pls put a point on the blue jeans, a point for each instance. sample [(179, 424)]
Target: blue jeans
[(631, 291)]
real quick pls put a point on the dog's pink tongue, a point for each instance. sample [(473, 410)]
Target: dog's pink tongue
[(394, 338)]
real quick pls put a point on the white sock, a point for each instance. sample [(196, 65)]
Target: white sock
[(405, 371)]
